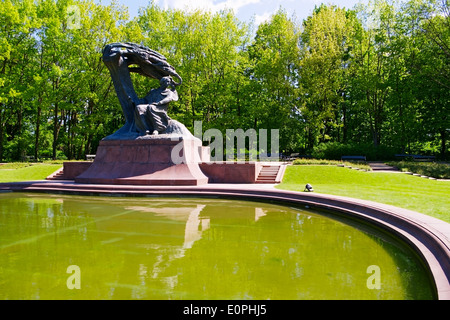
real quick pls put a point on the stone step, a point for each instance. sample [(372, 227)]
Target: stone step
[(58, 175), (380, 166), (268, 174)]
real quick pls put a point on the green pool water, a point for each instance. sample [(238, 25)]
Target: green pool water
[(185, 248)]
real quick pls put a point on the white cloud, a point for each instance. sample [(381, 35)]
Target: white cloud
[(208, 5), (245, 10), (260, 18)]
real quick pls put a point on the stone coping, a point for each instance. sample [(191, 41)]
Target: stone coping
[(430, 237)]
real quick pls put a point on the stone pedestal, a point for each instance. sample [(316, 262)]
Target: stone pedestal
[(231, 172), (152, 160)]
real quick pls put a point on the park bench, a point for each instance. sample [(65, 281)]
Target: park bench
[(424, 158), (415, 157), (354, 158), (294, 156), (90, 157), (290, 157), (28, 158)]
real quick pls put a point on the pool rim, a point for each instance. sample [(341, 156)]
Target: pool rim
[(428, 236)]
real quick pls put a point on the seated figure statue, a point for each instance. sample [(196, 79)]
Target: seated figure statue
[(144, 117), (151, 115)]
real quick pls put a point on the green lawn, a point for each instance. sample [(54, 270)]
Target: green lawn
[(16, 172), (430, 197)]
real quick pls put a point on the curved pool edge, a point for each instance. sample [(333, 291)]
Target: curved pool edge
[(430, 237)]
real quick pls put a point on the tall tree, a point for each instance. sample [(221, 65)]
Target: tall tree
[(430, 63), (18, 24), (327, 44), (206, 50), (275, 78)]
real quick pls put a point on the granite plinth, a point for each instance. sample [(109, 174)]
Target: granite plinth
[(158, 161), (73, 169), (231, 172)]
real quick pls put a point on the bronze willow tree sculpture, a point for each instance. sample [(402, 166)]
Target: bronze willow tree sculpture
[(144, 117)]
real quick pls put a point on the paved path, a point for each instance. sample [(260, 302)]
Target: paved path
[(380, 166)]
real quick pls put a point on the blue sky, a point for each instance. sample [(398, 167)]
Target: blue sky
[(245, 10)]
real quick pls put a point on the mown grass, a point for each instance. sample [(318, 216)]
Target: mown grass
[(23, 171), (430, 197)]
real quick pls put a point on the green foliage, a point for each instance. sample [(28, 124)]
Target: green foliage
[(312, 162), (325, 70), (373, 76), (335, 150), (274, 90), (429, 169)]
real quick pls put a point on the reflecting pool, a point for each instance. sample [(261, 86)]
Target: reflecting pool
[(186, 248)]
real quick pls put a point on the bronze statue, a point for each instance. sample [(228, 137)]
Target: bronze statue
[(147, 116), (151, 115)]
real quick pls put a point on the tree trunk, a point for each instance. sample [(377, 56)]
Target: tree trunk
[(37, 133), (443, 143), (1, 135), (55, 131)]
